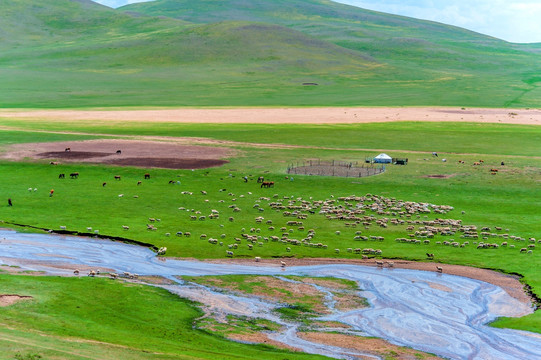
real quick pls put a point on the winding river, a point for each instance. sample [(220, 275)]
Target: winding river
[(437, 313)]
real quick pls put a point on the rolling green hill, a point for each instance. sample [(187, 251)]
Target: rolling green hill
[(68, 53)]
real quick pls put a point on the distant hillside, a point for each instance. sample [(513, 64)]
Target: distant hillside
[(76, 53)]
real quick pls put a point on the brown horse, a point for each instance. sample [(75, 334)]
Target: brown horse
[(267, 184)]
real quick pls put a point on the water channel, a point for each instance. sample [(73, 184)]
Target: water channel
[(437, 313)]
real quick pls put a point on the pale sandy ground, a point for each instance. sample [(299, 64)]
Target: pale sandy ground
[(7, 299), (322, 115)]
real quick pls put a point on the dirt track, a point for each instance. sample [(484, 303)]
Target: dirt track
[(289, 115)]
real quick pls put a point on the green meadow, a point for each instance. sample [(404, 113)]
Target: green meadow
[(66, 54), (165, 53), (507, 200)]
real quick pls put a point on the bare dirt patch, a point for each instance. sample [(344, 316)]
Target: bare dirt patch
[(146, 154), (373, 346), (157, 280), (260, 338), (7, 300), (439, 176)]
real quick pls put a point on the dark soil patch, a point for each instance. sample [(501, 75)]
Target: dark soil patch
[(439, 176), (72, 155), (168, 163)]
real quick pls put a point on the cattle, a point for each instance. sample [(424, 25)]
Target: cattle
[(74, 175)]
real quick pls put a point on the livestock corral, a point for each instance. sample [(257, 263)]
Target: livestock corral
[(335, 168), (220, 209)]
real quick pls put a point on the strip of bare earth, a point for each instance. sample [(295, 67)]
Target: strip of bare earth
[(290, 115)]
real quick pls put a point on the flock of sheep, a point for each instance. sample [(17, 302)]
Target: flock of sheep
[(361, 212), (364, 213)]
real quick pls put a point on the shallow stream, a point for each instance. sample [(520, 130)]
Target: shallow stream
[(437, 313)]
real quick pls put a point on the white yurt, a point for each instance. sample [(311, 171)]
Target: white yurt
[(383, 159)]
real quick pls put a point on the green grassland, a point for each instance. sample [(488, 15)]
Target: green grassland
[(77, 54), (507, 199), (84, 318), (183, 53)]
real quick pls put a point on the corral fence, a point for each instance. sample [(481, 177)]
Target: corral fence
[(335, 168)]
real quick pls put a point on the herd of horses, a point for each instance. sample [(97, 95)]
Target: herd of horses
[(75, 175)]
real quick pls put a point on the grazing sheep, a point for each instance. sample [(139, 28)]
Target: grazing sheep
[(390, 264), (125, 227), (92, 273), (229, 253), (257, 259), (439, 269), (162, 251), (282, 264), (62, 227), (117, 177), (379, 263), (76, 272), (113, 275)]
